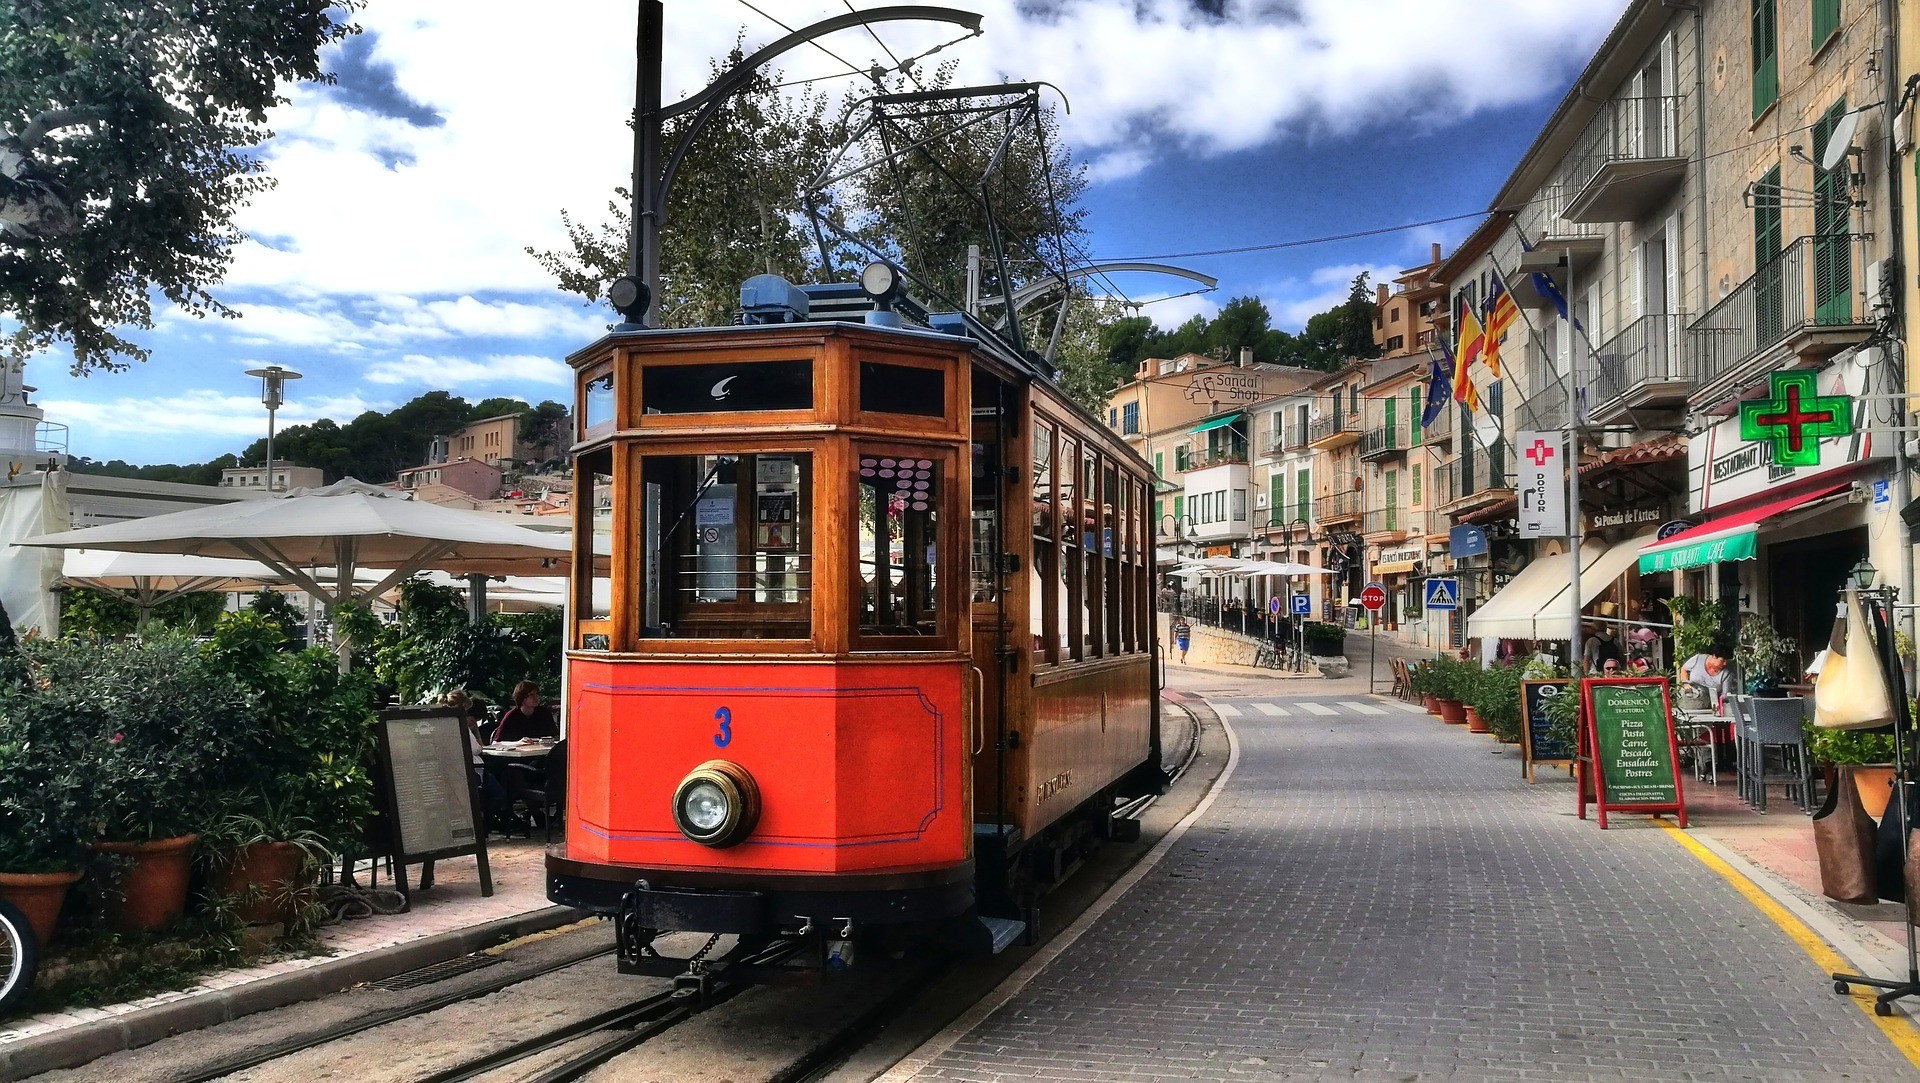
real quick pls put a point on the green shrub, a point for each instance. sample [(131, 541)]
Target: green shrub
[(1496, 696), (1325, 640), (1849, 747)]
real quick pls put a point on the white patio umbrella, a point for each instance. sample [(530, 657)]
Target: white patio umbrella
[(146, 581), (347, 525)]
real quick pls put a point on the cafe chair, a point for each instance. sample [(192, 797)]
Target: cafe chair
[(1779, 725), (551, 797)]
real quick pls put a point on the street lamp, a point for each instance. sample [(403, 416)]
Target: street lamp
[(1863, 574), (271, 378)]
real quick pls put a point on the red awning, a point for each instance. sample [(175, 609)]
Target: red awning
[(1727, 527)]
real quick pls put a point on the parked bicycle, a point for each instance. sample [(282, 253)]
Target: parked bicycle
[(19, 957)]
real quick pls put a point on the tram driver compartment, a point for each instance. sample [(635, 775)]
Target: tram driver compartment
[(877, 647)]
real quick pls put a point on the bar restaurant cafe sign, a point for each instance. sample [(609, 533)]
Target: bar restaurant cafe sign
[(1722, 468)]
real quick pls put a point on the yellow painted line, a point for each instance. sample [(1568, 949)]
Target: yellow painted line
[(530, 938), (1897, 1028)]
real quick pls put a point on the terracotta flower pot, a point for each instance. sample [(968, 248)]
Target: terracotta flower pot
[(1432, 704), (151, 891), (1475, 724), (1875, 783), (1453, 712), (39, 896), (265, 874)]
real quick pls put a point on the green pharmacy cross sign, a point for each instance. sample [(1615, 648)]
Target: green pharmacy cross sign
[(1795, 417)]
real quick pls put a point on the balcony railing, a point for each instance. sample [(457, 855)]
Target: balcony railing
[(1344, 424), (1224, 457), (1336, 506), (1545, 403), (1440, 488), (1382, 442), (1646, 364), (1465, 480), (1386, 521), (1442, 429), (1807, 290), (1543, 220), (1292, 440), (1626, 160)]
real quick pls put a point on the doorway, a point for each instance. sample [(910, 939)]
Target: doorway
[(1805, 578)]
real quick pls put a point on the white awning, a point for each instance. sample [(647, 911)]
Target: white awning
[(1535, 604)]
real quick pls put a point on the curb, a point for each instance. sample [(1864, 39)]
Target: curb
[(75, 1046)]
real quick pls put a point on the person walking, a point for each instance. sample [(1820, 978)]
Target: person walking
[(1182, 635)]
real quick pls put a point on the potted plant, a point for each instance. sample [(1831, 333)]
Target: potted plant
[(1696, 625), (40, 820), (266, 862), (1497, 699), (1325, 640), (1761, 652), (1450, 677), (1421, 683), (1471, 689), (1869, 754)]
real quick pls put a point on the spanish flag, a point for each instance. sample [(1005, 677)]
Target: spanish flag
[(1473, 340), (1501, 312)]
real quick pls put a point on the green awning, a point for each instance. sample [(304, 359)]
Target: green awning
[(1218, 422), (1738, 545)]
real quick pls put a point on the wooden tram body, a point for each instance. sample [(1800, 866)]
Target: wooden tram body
[(887, 588)]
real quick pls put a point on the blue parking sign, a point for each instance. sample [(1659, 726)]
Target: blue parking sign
[(1302, 605), (1443, 593)]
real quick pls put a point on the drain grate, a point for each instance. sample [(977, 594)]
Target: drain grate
[(441, 971)]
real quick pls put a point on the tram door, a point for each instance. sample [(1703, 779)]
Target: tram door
[(995, 424)]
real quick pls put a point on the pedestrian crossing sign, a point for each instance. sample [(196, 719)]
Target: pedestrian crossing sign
[(1443, 593)]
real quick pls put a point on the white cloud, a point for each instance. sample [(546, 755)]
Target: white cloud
[(454, 372), (201, 411)]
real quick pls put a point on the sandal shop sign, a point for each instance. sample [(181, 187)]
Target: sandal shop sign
[(1725, 468)]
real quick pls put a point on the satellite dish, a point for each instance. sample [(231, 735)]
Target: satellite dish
[(1486, 428), (1313, 413), (1840, 141)]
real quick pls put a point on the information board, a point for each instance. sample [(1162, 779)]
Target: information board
[(1635, 759), (427, 793), (1537, 746)]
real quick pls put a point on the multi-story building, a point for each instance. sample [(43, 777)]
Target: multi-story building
[(474, 480), (1283, 490), (499, 441), (286, 477)]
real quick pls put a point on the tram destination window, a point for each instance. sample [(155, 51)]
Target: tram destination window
[(726, 546), (727, 387), (899, 540), (902, 389)]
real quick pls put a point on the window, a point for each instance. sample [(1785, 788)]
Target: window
[(597, 409), (1832, 244), (899, 543), (1415, 502), (1220, 506), (1179, 512), (1303, 495), (900, 389), (1826, 23), (1393, 314), (1180, 462), (1113, 418), (1043, 610), (593, 531), (1130, 418), (1239, 505), (1766, 56), (725, 387), (1159, 464), (1277, 496), (1396, 342), (725, 546), (1110, 552), (1393, 500), (1066, 495), (1092, 588), (1413, 414), (1769, 279)]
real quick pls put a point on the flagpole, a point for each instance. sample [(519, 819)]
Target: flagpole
[(1575, 644)]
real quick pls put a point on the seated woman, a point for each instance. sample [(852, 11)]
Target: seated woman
[(528, 717)]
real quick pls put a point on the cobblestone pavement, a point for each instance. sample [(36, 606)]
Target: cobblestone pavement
[(1374, 896)]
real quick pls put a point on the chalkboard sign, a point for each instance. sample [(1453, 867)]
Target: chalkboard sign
[(427, 793), (1635, 760), (1537, 746)]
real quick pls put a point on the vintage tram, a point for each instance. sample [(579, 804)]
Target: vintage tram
[(878, 643)]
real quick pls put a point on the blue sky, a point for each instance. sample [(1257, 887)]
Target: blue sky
[(389, 262)]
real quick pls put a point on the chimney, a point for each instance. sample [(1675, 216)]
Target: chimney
[(1436, 253), (1380, 295), (1246, 357)]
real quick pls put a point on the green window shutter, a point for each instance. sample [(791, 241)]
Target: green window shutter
[(1180, 511), (1159, 464), (1832, 244), (1393, 497), (1393, 427), (1413, 413), (1766, 56), (1277, 495), (1769, 295), (1159, 511), (1826, 21), (1303, 493), (1415, 502)]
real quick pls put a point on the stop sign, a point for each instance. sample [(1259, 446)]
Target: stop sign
[(1374, 598)]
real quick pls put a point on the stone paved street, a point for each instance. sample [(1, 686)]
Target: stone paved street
[(1374, 896)]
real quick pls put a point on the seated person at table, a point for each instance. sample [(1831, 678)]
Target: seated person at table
[(527, 718), (495, 800), (1709, 670)]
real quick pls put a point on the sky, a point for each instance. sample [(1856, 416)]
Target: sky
[(389, 260)]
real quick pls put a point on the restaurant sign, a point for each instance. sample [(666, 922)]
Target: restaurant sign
[(1625, 517), (1725, 467), (1736, 546)]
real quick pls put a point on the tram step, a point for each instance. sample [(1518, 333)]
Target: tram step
[(1002, 932)]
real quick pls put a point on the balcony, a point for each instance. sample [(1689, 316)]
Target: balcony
[(1644, 367), (1800, 307), (1339, 430), (1336, 508), (1543, 221), (1441, 432), (1386, 524), (1474, 484), (1627, 161), (1293, 440), (1206, 460), (1382, 442), (1543, 405)]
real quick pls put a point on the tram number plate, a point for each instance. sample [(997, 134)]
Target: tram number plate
[(1054, 785), (724, 736)]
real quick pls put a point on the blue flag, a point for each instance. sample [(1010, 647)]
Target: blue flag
[(1545, 286), (1439, 387)]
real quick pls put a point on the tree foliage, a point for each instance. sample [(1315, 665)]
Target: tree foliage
[(1329, 340), (124, 136)]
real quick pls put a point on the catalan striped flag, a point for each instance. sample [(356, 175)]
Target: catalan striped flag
[(1501, 312), (1473, 340)]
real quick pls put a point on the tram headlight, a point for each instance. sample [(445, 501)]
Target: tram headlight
[(717, 804)]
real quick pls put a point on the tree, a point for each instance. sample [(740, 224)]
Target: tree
[(124, 136)]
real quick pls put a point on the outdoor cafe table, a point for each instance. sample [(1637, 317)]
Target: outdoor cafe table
[(518, 750)]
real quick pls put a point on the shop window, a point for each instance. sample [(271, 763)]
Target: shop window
[(1041, 605), (727, 387), (899, 540), (726, 546), (902, 389)]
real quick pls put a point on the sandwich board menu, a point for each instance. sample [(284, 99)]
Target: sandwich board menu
[(1537, 746), (426, 792), (1631, 752)]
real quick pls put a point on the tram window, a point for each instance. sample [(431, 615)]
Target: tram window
[(1112, 507), (598, 486), (899, 539), (726, 546), (902, 389), (1041, 607), (986, 522), (597, 408), (727, 387), (1092, 588), (1066, 495)]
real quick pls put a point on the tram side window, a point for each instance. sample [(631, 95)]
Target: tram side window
[(1112, 508), (1066, 495), (1092, 587), (899, 543), (726, 546), (1042, 608), (593, 601)]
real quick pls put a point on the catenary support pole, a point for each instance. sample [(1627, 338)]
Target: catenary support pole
[(1573, 479)]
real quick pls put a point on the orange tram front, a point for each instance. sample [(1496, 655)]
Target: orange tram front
[(875, 642)]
